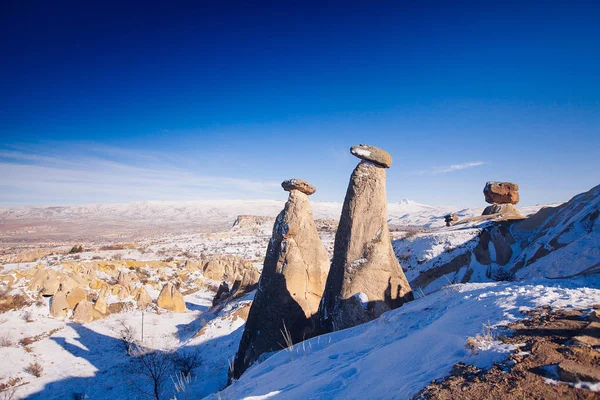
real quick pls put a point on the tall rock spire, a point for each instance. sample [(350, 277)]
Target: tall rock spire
[(365, 278), (291, 284)]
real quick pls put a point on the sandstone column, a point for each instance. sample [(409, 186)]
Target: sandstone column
[(365, 278), (291, 284)]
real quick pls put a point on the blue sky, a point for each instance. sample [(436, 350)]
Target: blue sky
[(102, 102)]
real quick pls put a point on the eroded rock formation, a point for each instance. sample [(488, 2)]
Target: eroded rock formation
[(365, 278), (291, 283)]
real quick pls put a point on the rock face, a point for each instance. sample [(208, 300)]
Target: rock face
[(501, 209), (501, 193), (290, 287), (60, 306), (171, 299), (75, 296), (372, 154), (84, 312), (365, 278)]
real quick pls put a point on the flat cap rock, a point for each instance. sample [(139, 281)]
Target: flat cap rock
[(501, 193), (372, 154), (298, 184)]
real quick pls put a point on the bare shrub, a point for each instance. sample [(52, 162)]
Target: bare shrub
[(27, 317), (151, 372), (287, 338), (187, 362), (8, 390), (481, 341), (5, 342), (181, 382), (80, 396), (127, 336), (35, 369), (503, 275), (117, 257)]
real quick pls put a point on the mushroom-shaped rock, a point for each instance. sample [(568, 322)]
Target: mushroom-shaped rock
[(59, 306), (365, 278), (290, 286), (372, 154), (171, 299), (84, 312), (298, 184), (501, 193)]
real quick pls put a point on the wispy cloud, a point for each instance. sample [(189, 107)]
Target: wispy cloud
[(449, 168), (83, 176), (457, 167)]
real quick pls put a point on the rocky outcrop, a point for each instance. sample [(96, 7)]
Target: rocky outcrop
[(556, 242), (501, 193), (75, 296), (59, 307), (142, 298), (501, 209), (450, 219), (171, 299), (84, 312), (365, 278), (232, 269), (290, 287)]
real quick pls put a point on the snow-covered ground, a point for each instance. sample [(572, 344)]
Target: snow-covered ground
[(155, 218), (397, 355), (392, 357)]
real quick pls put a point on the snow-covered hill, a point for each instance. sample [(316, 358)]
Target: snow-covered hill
[(397, 355), (149, 218)]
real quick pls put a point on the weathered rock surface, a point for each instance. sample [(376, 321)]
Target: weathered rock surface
[(142, 298), (235, 270), (372, 154), (84, 312), (171, 299), (290, 287), (75, 296), (59, 306), (365, 278), (501, 192), (298, 184), (501, 209)]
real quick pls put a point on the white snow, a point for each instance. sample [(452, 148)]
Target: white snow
[(398, 354)]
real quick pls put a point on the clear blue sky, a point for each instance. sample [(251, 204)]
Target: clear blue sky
[(105, 102)]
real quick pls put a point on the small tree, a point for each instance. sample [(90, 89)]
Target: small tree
[(152, 370)]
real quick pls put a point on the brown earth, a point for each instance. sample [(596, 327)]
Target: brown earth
[(550, 352)]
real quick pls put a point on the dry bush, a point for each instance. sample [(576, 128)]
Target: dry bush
[(27, 317), (13, 302), (5, 342), (187, 362), (35, 369), (482, 340), (114, 247), (76, 249), (117, 257), (8, 390), (151, 371)]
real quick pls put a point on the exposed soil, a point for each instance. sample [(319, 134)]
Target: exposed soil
[(562, 350)]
